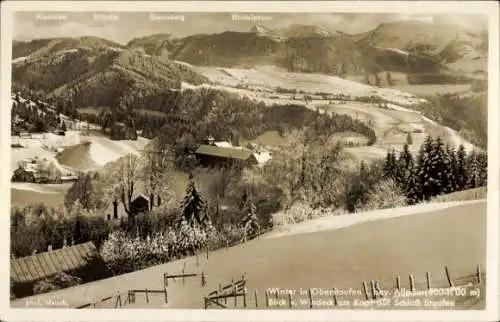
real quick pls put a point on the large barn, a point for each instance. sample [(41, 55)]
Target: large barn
[(209, 155)]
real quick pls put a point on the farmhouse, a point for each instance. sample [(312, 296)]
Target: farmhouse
[(209, 155), (82, 260), (38, 170), (140, 204), (23, 175)]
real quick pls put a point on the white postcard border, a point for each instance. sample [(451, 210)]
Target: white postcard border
[(483, 7)]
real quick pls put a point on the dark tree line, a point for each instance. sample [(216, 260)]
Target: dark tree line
[(36, 227), (437, 169), (36, 118)]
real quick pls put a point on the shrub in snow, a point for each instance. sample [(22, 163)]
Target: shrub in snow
[(385, 194), (59, 281), (297, 213)]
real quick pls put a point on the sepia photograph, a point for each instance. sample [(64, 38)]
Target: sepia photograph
[(266, 161)]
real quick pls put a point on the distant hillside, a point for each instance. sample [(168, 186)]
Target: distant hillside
[(434, 45), (428, 38), (227, 49), (41, 47), (92, 72), (159, 45), (296, 30), (428, 53)]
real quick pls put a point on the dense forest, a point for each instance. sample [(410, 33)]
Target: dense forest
[(437, 169), (32, 118), (468, 115)]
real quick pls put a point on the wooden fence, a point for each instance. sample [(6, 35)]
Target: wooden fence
[(371, 291), (233, 290)]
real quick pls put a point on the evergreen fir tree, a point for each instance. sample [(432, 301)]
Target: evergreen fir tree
[(482, 162), (438, 168), (424, 165), (460, 174), (413, 189), (193, 205), (390, 165), (451, 159), (249, 214), (473, 171), (405, 167)]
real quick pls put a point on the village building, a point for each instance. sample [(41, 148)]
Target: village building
[(209, 155), (38, 170), (82, 260), (116, 210), (223, 144), (23, 175), (223, 153)]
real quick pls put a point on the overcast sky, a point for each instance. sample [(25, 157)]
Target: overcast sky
[(122, 27)]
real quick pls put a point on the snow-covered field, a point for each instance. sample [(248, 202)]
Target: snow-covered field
[(71, 151), (40, 188), (103, 150), (339, 221), (307, 82), (390, 124), (341, 258), (457, 140)]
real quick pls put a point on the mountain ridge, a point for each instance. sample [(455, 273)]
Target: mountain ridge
[(409, 47)]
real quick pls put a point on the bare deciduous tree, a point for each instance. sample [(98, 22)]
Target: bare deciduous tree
[(127, 183), (156, 180)]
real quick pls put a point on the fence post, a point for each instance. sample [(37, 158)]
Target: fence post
[(147, 296), (118, 300), (365, 289), (448, 276), (478, 274), (165, 279), (207, 251), (197, 263), (245, 297), (256, 299), (378, 289), (227, 245), (205, 300), (234, 293), (335, 302), (398, 283), (166, 295), (428, 276), (372, 285), (183, 270), (267, 298), (412, 283), (310, 299)]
